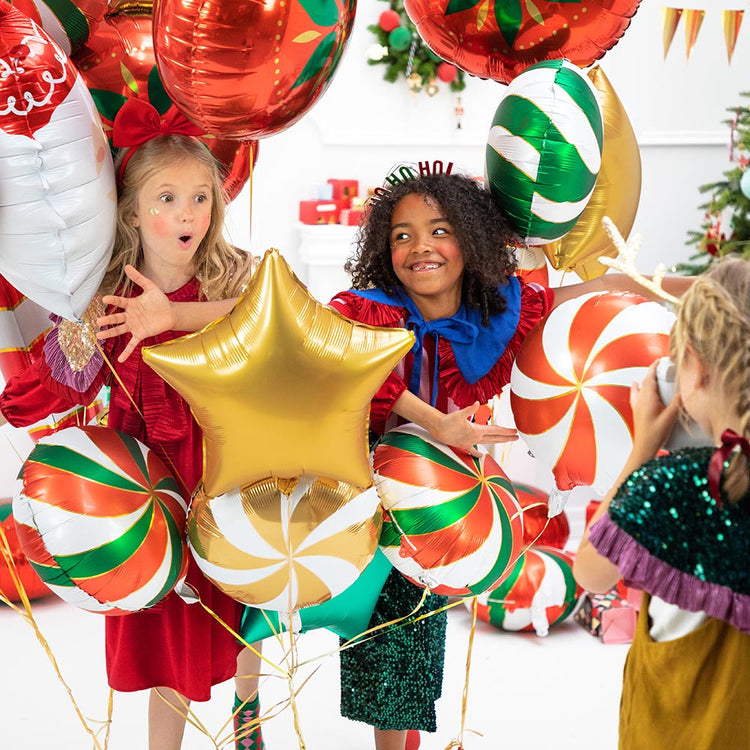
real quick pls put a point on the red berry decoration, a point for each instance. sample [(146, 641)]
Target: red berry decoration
[(499, 38), (446, 72), (389, 20)]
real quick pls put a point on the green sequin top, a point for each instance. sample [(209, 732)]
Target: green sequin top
[(668, 536)]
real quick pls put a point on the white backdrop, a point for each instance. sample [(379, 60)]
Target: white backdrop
[(363, 125)]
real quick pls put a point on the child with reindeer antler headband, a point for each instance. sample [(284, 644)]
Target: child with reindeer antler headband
[(170, 215), (678, 527)]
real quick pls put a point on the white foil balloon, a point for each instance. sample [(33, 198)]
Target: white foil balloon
[(57, 186)]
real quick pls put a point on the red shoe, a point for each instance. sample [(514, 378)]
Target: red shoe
[(412, 740)]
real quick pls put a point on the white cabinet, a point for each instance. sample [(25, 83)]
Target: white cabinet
[(323, 249)]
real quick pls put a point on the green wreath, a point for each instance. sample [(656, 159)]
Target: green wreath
[(402, 51)]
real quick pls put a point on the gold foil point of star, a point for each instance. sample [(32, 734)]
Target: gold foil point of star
[(281, 386)]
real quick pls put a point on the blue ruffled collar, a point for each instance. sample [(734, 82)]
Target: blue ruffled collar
[(476, 347)]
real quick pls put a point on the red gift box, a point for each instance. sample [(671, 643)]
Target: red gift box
[(322, 212), (350, 216), (344, 189)]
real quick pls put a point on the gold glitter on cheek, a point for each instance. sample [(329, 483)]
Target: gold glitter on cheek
[(153, 211), (77, 339)]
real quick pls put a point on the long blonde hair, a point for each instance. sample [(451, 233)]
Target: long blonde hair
[(714, 318), (223, 270)]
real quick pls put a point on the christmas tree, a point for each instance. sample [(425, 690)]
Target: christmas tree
[(726, 224), (399, 47)]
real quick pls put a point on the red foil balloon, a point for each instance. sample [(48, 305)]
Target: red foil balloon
[(499, 38), (118, 63), (570, 384), (31, 582), (537, 527), (69, 24), (251, 69)]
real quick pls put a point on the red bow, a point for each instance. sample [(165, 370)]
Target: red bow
[(730, 440), (138, 122)]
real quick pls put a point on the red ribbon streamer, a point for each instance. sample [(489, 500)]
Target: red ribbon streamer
[(730, 441)]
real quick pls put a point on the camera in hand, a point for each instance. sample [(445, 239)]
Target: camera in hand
[(686, 432)]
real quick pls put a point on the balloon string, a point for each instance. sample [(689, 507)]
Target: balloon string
[(292, 655), (459, 743), (239, 637), (27, 615), (373, 632), (253, 147), (14, 449), (117, 378), (187, 715)]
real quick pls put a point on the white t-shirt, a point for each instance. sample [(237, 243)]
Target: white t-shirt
[(669, 622)]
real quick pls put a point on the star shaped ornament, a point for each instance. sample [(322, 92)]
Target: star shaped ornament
[(281, 386)]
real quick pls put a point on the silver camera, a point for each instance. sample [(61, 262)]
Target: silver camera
[(686, 432)]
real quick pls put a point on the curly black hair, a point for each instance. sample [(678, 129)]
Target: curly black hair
[(482, 231)]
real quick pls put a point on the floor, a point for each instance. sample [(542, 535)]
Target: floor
[(525, 692)]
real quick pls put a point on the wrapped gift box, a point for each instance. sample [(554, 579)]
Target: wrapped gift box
[(350, 216), (344, 189), (608, 616), (322, 212)]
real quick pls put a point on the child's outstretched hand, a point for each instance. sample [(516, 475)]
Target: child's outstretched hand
[(456, 430), (652, 421), (148, 314)]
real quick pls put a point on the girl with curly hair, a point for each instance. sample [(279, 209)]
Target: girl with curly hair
[(436, 256)]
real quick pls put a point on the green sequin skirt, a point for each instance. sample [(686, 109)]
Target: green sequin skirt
[(393, 680)]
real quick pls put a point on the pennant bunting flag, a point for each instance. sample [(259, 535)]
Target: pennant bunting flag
[(670, 19), (731, 21), (693, 21)]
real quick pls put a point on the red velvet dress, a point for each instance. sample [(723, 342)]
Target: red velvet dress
[(175, 645)]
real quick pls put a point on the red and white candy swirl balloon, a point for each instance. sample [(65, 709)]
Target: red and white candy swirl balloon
[(570, 384)]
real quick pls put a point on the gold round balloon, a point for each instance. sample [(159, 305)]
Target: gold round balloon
[(281, 386), (616, 194), (285, 544)]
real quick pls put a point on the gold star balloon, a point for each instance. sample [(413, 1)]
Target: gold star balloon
[(281, 386)]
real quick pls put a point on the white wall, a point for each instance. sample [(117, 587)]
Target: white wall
[(363, 125)]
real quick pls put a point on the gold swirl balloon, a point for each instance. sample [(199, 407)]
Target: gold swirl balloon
[(285, 544), (281, 386), (616, 194)]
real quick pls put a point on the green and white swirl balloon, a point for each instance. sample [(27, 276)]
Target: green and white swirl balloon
[(544, 150)]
